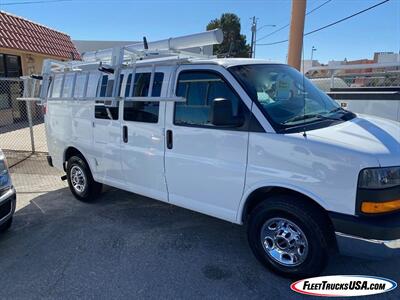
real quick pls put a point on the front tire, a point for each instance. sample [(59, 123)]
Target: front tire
[(80, 180), (289, 236)]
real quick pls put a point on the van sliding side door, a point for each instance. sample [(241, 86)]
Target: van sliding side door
[(142, 132)]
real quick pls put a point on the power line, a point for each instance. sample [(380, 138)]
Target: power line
[(34, 2), (287, 25), (331, 24)]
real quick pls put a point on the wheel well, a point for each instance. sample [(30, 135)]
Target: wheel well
[(262, 194), (71, 151)]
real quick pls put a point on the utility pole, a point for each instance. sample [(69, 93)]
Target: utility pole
[(254, 30), (253, 38), (312, 52), (296, 33)]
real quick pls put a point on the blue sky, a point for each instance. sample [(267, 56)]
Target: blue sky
[(359, 37)]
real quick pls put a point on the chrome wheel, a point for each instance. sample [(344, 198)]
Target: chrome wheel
[(78, 179), (284, 242)]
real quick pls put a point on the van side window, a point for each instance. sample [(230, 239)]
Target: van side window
[(121, 78), (200, 88), (141, 85), (128, 85), (157, 84), (107, 113), (103, 85), (143, 111), (106, 86)]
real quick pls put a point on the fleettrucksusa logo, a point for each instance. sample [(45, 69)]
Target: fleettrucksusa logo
[(343, 286)]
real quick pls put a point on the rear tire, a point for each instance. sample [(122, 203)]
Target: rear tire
[(6, 225), (80, 180), (289, 236)]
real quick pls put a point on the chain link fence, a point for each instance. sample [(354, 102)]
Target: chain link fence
[(22, 130), (356, 80)]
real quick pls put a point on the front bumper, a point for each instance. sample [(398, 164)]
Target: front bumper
[(367, 248), (7, 204), (374, 237)]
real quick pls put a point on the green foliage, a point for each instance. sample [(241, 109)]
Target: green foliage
[(230, 25)]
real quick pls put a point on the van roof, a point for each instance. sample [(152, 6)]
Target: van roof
[(224, 62), (230, 62)]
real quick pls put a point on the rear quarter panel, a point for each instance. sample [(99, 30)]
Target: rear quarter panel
[(69, 123)]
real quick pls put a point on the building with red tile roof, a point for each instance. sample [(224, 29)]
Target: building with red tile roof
[(21, 34), (31, 43), (23, 47)]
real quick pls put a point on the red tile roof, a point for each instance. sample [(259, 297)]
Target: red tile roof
[(21, 34)]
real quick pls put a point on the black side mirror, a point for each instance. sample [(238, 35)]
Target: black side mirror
[(221, 113)]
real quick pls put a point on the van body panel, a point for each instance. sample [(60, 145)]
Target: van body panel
[(307, 166), (69, 123), (106, 151), (367, 135)]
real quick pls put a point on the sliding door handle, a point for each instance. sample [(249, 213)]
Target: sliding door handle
[(169, 139), (125, 133)]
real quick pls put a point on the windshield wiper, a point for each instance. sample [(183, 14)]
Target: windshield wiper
[(338, 109), (347, 115), (309, 116)]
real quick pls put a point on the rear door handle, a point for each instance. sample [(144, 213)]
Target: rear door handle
[(125, 133), (169, 139)]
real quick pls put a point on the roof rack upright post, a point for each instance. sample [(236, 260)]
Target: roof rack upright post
[(117, 61)]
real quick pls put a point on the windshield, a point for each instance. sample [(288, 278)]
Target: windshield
[(286, 97)]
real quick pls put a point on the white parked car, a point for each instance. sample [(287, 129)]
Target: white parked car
[(7, 195), (242, 140)]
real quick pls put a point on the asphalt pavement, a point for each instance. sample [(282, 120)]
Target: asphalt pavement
[(129, 246)]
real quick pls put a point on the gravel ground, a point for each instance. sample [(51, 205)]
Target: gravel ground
[(128, 246)]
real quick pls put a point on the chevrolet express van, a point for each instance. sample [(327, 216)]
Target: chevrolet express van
[(247, 141)]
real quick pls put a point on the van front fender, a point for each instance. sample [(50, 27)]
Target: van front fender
[(270, 185)]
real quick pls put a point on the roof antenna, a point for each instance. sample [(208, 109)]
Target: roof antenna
[(145, 44), (303, 92)]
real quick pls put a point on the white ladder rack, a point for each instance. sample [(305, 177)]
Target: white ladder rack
[(114, 60)]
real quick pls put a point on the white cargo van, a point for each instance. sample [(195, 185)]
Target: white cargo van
[(242, 140)]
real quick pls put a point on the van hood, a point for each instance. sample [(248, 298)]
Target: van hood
[(366, 135)]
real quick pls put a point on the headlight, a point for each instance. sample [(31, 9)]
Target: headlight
[(379, 178), (5, 180)]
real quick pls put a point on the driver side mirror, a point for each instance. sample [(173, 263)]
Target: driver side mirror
[(221, 113)]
